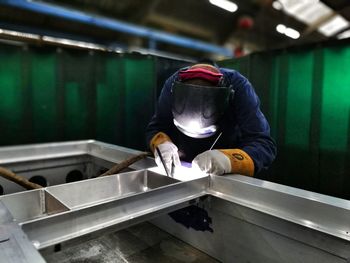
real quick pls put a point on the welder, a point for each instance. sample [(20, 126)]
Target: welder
[(210, 117)]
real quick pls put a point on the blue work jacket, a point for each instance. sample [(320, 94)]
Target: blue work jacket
[(243, 125)]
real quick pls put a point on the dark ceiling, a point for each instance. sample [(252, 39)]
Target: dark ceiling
[(196, 19)]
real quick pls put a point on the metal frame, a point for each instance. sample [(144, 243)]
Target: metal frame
[(309, 225)]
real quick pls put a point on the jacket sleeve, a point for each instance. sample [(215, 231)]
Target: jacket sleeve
[(254, 128), (162, 119)]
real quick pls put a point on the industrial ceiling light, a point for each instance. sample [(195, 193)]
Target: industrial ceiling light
[(292, 33), (333, 25), (225, 4), (277, 5), (292, 7), (289, 32), (310, 13), (306, 11), (345, 34), (281, 28)]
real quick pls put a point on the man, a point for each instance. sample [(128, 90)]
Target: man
[(203, 107)]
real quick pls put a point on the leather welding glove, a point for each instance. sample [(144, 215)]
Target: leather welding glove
[(169, 154), (219, 162), (167, 149)]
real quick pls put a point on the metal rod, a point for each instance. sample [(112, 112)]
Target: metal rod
[(163, 162), (215, 141), (20, 180), (125, 164)]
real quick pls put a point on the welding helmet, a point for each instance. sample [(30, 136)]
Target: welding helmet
[(196, 108)]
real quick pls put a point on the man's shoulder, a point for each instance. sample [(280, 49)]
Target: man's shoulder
[(233, 77), (231, 72)]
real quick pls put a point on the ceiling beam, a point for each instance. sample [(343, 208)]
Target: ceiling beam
[(180, 26)]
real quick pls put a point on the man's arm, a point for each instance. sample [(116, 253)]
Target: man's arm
[(255, 149), (162, 119), (255, 130)]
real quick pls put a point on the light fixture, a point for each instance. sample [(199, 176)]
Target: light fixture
[(333, 25), (345, 34), (281, 28), (289, 32), (277, 5), (292, 33), (225, 4), (306, 11), (312, 12)]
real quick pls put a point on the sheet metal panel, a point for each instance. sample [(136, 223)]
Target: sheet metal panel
[(258, 221), (117, 213)]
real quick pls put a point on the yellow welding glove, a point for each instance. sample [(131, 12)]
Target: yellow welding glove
[(225, 161)]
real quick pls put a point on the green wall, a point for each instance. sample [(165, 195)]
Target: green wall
[(305, 94), (61, 94)]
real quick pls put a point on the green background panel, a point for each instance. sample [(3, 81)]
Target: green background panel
[(62, 94), (334, 128), (273, 96), (11, 90), (43, 83), (305, 96), (140, 87), (260, 79), (298, 101), (77, 91), (75, 112), (110, 102), (336, 100)]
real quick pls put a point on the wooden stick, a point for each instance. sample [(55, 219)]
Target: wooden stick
[(9, 175), (125, 164)]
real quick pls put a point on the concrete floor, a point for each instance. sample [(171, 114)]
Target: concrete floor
[(140, 243)]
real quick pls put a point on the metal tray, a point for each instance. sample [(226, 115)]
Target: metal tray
[(88, 192)]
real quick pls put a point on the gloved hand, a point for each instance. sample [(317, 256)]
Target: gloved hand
[(169, 153), (218, 162), (213, 162)]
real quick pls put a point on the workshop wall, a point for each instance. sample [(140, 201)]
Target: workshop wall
[(305, 94), (55, 94)]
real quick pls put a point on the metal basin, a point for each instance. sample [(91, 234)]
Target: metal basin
[(97, 190)]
